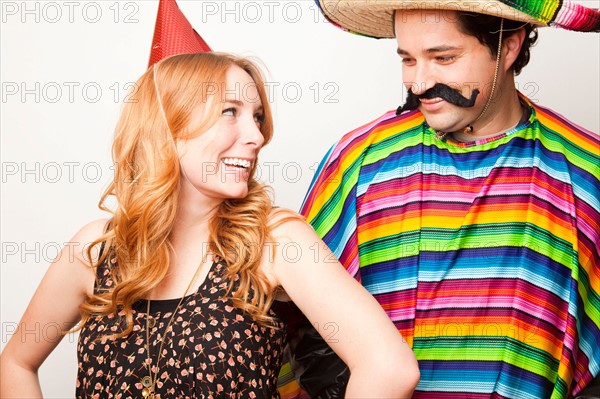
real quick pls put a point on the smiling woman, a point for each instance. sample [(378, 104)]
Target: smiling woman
[(185, 291), (168, 149), (218, 163)]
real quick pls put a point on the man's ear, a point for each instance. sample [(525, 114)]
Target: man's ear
[(511, 47)]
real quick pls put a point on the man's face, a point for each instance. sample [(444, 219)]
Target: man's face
[(434, 50)]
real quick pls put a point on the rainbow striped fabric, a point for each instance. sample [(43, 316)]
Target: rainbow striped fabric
[(485, 256)]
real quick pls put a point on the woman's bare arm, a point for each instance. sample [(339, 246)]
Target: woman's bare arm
[(53, 310), (352, 322)]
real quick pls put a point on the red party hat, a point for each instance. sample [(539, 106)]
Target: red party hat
[(174, 34)]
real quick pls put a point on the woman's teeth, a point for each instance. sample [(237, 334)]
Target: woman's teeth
[(237, 162)]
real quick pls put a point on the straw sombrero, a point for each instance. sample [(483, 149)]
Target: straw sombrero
[(375, 18)]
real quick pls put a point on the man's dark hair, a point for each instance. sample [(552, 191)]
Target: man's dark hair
[(486, 29)]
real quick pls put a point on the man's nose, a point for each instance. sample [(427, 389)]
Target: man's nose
[(423, 79)]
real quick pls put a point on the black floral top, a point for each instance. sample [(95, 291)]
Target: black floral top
[(214, 350)]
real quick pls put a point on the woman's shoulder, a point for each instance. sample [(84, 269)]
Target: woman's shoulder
[(86, 236), (278, 211), (289, 229), (71, 273), (284, 221)]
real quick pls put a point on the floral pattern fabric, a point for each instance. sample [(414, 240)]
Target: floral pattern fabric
[(212, 350)]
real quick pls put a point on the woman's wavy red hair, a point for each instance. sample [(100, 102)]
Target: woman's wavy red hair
[(146, 188)]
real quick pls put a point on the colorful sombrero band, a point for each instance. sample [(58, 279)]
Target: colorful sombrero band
[(374, 18)]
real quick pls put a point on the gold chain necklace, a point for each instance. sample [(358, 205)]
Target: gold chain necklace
[(149, 381)]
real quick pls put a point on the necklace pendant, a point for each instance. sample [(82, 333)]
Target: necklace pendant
[(148, 393), (147, 381), (440, 135)]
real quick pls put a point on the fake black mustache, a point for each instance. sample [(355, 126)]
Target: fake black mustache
[(439, 90)]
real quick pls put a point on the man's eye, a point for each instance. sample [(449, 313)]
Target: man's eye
[(229, 112), (448, 58)]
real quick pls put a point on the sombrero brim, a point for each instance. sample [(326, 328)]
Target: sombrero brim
[(374, 18)]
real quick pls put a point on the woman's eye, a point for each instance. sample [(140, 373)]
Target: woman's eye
[(229, 112), (259, 118)]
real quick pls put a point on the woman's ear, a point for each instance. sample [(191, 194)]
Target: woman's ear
[(512, 47)]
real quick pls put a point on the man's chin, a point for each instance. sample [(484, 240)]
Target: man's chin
[(437, 125), (441, 123)]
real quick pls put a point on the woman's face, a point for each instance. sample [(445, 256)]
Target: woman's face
[(216, 164)]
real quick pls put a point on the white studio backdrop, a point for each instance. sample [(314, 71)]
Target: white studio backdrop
[(65, 70)]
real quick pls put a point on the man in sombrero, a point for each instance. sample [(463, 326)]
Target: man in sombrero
[(471, 214)]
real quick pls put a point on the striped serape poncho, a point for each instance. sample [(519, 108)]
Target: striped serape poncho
[(485, 255)]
